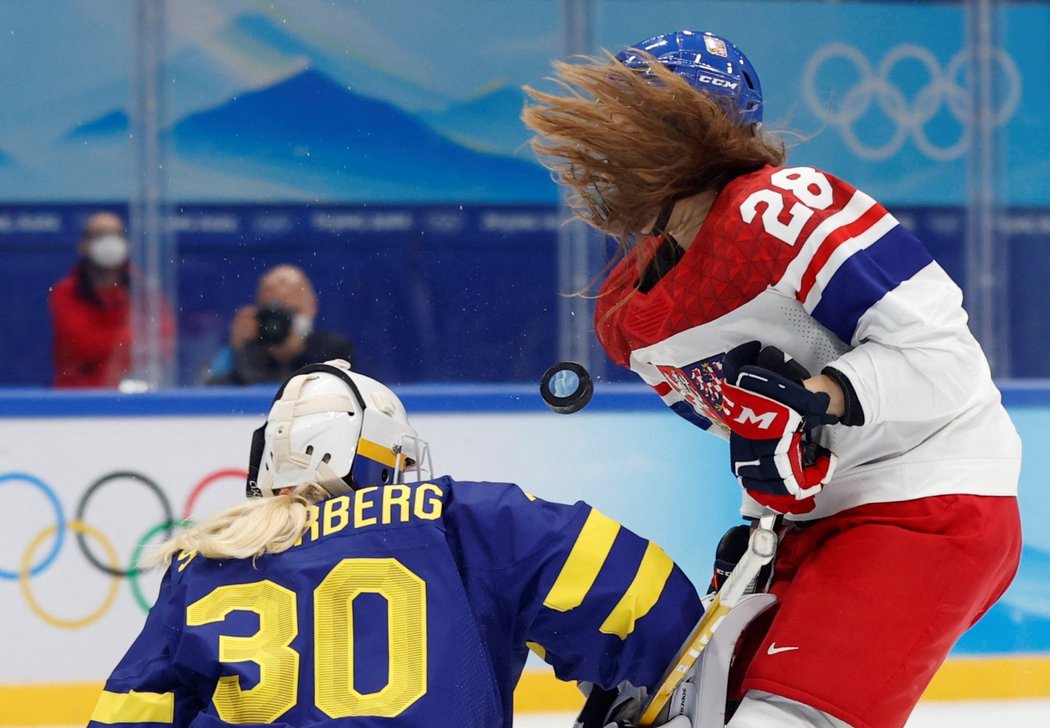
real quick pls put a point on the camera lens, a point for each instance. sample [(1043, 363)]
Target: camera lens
[(274, 325)]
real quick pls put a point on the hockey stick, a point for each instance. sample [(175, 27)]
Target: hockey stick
[(762, 545)]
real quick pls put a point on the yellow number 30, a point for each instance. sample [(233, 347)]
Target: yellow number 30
[(334, 691)]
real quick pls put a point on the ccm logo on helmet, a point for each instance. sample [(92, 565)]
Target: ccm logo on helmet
[(703, 78)]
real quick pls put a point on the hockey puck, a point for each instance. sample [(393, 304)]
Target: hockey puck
[(566, 387)]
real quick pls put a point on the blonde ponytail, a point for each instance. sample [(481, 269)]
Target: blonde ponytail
[(256, 527)]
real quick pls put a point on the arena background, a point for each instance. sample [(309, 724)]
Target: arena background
[(378, 145)]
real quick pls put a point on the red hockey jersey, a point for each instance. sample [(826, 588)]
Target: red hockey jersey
[(798, 259)]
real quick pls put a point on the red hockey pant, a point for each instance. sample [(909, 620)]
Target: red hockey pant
[(872, 599)]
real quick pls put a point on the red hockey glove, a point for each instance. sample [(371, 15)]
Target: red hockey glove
[(769, 417)]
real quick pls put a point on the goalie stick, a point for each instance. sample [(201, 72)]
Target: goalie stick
[(762, 545)]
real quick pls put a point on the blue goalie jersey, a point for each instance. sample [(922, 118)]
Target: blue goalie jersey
[(404, 605)]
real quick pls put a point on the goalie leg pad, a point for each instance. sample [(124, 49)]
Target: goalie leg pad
[(712, 670), (761, 709)]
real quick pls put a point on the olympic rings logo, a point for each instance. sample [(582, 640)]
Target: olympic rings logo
[(35, 559), (874, 90)]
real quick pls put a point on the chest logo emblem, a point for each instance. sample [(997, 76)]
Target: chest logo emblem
[(699, 384)]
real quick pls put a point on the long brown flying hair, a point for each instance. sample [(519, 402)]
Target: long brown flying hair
[(625, 142)]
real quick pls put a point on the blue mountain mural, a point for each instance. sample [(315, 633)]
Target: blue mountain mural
[(312, 132), (259, 31), (197, 82), (489, 122), (115, 123), (257, 37)]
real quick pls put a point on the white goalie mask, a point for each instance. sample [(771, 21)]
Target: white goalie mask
[(337, 428)]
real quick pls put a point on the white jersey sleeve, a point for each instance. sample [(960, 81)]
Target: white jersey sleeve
[(913, 357)]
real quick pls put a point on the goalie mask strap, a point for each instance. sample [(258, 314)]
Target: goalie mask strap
[(286, 406)]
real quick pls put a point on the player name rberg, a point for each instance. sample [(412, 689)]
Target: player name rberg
[(378, 505)]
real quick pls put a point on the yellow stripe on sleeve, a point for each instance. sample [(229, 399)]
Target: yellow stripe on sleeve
[(134, 707), (585, 561), (642, 594)]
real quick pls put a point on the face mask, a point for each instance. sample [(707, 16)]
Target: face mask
[(108, 251), (302, 325)]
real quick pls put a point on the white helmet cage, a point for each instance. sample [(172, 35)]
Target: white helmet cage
[(336, 428)]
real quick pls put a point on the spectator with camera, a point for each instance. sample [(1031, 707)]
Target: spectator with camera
[(273, 338)]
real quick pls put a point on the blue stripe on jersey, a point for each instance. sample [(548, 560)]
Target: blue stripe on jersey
[(866, 276), (685, 410), (615, 575)]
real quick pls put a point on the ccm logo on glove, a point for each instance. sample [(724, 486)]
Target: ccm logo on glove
[(756, 416), (770, 415)]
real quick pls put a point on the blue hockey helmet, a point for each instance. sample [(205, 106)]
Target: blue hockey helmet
[(709, 63)]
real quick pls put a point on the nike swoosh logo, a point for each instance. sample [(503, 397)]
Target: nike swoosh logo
[(773, 649)]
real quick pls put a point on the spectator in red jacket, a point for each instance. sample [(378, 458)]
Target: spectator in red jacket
[(90, 309)]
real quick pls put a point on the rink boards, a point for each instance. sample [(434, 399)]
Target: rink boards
[(113, 469)]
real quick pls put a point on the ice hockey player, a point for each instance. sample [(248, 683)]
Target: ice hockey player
[(892, 554), (341, 595)]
